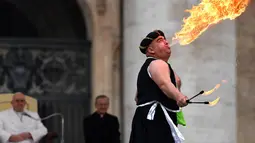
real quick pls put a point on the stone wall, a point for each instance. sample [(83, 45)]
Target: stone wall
[(246, 75)]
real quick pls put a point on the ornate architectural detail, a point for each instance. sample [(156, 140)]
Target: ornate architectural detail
[(101, 7), (44, 71)]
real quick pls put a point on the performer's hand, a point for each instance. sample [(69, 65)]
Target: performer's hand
[(181, 100)]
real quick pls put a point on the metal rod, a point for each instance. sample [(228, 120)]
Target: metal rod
[(201, 92), (202, 102)]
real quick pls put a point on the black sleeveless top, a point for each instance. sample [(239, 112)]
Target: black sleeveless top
[(148, 90)]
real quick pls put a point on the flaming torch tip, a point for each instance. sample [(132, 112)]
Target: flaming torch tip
[(214, 102)]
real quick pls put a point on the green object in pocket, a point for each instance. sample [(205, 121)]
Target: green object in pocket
[(180, 118)]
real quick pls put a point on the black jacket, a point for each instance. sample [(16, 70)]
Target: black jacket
[(101, 129)]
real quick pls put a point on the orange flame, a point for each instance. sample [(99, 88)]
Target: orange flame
[(214, 102), (215, 88), (212, 90), (207, 13)]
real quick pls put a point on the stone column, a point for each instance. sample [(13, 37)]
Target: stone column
[(103, 25), (201, 65), (245, 75)]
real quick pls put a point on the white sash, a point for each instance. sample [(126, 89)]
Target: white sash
[(177, 135)]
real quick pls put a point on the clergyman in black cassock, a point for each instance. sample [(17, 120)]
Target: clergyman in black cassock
[(101, 127)]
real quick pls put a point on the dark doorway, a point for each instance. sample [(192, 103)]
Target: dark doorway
[(14, 23), (46, 55)]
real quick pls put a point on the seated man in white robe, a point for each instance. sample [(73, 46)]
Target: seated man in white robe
[(16, 127)]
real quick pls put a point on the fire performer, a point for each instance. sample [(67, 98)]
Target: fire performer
[(158, 97)]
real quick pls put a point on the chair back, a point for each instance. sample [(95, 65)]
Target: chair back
[(6, 98)]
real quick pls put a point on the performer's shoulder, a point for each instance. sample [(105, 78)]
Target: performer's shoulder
[(159, 62)]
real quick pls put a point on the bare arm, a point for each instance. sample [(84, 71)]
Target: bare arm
[(160, 72)]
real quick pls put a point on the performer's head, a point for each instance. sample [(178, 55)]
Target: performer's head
[(18, 102), (102, 104), (155, 45)]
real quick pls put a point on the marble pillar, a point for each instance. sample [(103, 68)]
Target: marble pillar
[(102, 20), (245, 75), (201, 65)]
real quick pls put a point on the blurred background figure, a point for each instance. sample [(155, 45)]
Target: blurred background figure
[(15, 127), (101, 127)]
